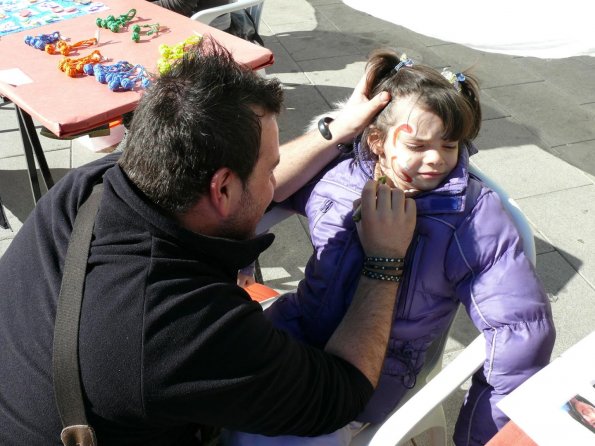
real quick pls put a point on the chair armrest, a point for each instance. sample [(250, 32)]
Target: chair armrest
[(403, 420)]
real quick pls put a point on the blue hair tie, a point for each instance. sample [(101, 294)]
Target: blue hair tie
[(404, 62)]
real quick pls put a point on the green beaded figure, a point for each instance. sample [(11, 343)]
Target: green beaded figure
[(114, 24)]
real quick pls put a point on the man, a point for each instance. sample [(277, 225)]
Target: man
[(168, 343)]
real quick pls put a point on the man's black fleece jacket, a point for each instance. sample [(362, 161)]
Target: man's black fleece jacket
[(168, 342)]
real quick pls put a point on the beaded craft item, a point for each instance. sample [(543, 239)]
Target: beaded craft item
[(74, 67), (40, 42), (120, 76), (115, 23), (64, 48), (136, 30), (170, 54)]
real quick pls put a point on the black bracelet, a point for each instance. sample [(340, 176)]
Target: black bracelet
[(383, 267), (384, 260), (380, 276), (323, 128)]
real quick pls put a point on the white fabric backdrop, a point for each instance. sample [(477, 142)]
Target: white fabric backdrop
[(538, 28)]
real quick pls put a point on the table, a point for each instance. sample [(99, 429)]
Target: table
[(509, 435), (70, 106)]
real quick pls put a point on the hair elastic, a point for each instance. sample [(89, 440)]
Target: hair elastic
[(454, 79), (404, 62)]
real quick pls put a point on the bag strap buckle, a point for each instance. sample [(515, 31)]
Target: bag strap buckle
[(78, 435)]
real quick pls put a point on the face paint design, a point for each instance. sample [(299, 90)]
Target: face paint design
[(401, 168), (402, 164)]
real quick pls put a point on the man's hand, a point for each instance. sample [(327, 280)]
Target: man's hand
[(307, 155), (387, 221), (358, 112)]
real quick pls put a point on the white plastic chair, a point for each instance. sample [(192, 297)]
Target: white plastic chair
[(207, 16), (421, 410)]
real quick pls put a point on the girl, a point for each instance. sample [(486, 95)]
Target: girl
[(466, 249)]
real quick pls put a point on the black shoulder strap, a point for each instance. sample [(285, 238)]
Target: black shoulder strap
[(67, 381)]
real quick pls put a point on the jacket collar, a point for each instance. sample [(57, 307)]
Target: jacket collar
[(230, 254)]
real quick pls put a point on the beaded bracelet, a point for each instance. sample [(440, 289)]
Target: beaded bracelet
[(40, 42), (384, 260), (114, 24), (169, 54), (380, 276), (383, 267), (73, 67)]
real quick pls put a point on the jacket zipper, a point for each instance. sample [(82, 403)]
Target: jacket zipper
[(323, 210)]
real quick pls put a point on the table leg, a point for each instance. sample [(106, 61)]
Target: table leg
[(32, 146)]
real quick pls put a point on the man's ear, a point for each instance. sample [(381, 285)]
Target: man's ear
[(375, 142), (225, 191)]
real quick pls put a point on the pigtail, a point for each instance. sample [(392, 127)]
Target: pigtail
[(380, 69), (470, 91)]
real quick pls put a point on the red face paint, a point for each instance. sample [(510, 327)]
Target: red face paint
[(403, 127), (400, 171)]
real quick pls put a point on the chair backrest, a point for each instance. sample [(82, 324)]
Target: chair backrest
[(254, 7)]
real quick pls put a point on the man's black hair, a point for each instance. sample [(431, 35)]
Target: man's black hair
[(199, 117)]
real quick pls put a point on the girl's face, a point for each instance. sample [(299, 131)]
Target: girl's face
[(414, 156)]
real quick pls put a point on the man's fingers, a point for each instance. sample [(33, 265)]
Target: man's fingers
[(361, 89), (368, 204), (410, 207), (398, 198)]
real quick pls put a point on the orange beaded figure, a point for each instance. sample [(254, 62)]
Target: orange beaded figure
[(74, 67), (64, 48)]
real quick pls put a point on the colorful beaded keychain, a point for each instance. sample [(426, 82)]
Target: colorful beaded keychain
[(74, 67), (114, 24), (64, 48), (40, 42), (170, 54), (120, 76)]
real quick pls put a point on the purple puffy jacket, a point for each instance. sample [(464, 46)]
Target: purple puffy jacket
[(466, 250)]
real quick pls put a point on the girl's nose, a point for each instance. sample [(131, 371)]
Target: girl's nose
[(433, 156)]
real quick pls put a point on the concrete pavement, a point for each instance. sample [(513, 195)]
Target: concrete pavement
[(537, 141)]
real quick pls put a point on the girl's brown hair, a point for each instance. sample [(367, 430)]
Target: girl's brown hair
[(460, 112)]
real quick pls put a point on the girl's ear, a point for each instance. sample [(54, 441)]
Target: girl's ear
[(375, 141)]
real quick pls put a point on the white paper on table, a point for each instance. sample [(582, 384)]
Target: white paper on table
[(14, 77), (537, 405)]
